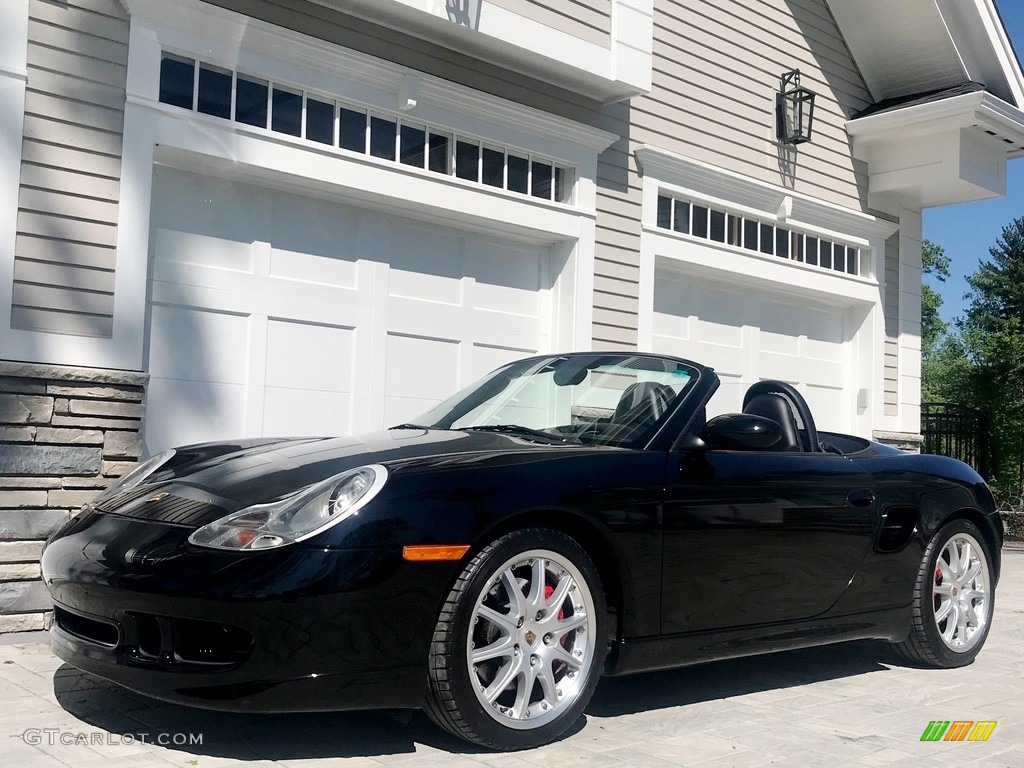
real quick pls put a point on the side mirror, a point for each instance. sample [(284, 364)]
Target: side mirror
[(741, 432)]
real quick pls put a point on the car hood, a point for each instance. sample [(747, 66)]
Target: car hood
[(237, 474)]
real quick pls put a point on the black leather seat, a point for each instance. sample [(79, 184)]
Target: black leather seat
[(639, 406), (777, 408)]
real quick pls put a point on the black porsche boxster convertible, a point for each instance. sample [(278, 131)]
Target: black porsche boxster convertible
[(569, 516)]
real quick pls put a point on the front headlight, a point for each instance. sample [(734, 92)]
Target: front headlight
[(296, 517), (136, 477)]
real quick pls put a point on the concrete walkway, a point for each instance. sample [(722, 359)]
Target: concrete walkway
[(849, 705)]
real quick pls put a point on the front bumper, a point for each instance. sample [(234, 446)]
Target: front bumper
[(301, 629)]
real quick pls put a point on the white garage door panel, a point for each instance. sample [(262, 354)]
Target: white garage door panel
[(324, 318), (421, 372), (198, 345), (190, 248), (483, 359), (307, 356), (201, 285), (829, 406), (747, 337), (427, 288), (310, 268), (182, 412), (305, 412), (510, 280)]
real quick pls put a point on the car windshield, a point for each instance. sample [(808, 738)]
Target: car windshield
[(594, 399)]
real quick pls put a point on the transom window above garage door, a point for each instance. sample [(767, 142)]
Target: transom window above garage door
[(262, 103), (741, 231)]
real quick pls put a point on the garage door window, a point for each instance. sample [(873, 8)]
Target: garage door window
[(214, 91), (319, 121), (764, 237), (244, 98), (251, 105)]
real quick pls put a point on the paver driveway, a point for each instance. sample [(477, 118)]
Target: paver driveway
[(848, 705)]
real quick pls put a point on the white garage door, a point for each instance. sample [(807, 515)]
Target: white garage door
[(748, 336), (274, 313)]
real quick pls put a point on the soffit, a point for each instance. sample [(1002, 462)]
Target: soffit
[(916, 46)]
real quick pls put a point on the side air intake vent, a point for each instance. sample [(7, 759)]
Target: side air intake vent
[(898, 524)]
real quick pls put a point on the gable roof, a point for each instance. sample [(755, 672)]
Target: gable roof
[(915, 47)]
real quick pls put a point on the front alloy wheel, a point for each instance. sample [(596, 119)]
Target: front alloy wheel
[(517, 648), (961, 592), (953, 598)]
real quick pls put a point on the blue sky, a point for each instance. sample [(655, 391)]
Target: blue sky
[(968, 231)]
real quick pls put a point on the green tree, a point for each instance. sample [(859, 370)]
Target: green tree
[(944, 367), (935, 264), (992, 336)]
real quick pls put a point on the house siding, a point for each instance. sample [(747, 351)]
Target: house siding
[(71, 165), (716, 69), (717, 65), (589, 20)]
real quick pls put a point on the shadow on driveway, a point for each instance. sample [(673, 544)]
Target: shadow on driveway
[(737, 677), (350, 734)]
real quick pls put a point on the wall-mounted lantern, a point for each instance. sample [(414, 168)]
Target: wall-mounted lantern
[(794, 110)]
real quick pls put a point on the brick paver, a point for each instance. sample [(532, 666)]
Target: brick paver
[(849, 705)]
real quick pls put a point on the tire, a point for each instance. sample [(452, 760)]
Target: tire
[(953, 599), (514, 672)]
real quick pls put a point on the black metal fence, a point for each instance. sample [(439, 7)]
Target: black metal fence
[(957, 431)]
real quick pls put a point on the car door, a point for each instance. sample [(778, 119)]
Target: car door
[(755, 537)]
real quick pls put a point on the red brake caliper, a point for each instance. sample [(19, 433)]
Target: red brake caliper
[(938, 576), (548, 592)]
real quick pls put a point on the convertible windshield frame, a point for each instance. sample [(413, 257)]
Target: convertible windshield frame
[(616, 399)]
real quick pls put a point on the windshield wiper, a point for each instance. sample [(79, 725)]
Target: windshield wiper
[(411, 426), (515, 429)]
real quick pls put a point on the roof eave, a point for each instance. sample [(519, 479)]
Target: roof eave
[(943, 152)]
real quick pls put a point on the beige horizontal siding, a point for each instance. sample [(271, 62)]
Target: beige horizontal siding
[(69, 276), (717, 65), (63, 299), (590, 20), (60, 251), (63, 228), (105, 19), (61, 321), (76, 90), (41, 176), (628, 287), (45, 33), (71, 166), (68, 205), (46, 105)]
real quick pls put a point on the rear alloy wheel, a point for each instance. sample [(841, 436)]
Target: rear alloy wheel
[(953, 598), (518, 646)]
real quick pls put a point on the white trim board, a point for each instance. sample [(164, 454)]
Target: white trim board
[(239, 42), (13, 80), (748, 195), (619, 70)]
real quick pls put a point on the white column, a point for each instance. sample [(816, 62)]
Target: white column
[(910, 320)]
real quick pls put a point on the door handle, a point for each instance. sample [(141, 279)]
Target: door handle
[(862, 497)]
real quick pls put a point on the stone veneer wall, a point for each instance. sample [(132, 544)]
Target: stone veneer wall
[(905, 441), (65, 435)]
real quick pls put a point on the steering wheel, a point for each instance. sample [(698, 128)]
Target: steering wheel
[(796, 399)]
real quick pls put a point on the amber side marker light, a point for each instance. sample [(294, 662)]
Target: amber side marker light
[(423, 552)]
